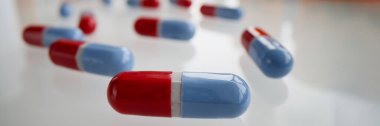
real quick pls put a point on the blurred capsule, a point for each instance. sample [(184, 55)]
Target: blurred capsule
[(181, 3), (143, 3), (107, 2), (43, 36), (65, 10), (221, 12), (164, 28), (87, 22)]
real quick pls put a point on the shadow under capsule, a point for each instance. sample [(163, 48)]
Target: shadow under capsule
[(164, 121), (271, 91)]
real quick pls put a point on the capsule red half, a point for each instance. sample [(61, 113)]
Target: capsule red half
[(34, 35), (181, 3), (87, 22)]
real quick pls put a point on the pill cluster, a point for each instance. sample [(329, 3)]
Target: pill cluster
[(161, 93)]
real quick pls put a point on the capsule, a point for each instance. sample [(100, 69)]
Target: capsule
[(107, 2), (87, 22), (221, 12), (65, 10), (181, 3), (164, 28), (186, 94), (143, 3), (268, 54), (44, 36), (91, 57)]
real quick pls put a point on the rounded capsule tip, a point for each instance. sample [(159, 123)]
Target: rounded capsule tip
[(65, 10), (33, 35), (147, 26), (213, 95), (277, 63), (87, 23)]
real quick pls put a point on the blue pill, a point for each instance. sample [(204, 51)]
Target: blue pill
[(65, 10), (176, 30)]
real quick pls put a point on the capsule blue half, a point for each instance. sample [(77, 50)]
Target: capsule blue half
[(229, 13), (212, 95), (176, 29), (270, 56), (51, 34), (104, 59)]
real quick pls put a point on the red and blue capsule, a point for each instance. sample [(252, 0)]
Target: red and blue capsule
[(143, 3), (91, 57), (179, 94), (173, 29), (222, 11), (43, 36), (273, 59), (181, 3)]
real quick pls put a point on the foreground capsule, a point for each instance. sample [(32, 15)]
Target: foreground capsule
[(143, 3), (91, 57), (181, 3), (268, 54), (44, 36), (222, 12), (164, 28), (186, 94), (87, 22)]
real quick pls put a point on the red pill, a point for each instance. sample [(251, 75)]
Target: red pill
[(87, 23)]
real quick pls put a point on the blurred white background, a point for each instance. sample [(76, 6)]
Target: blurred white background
[(335, 80)]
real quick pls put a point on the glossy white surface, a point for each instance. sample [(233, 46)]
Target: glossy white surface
[(335, 80)]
